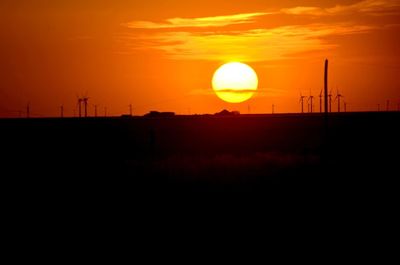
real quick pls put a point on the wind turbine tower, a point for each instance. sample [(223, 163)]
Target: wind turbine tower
[(85, 102), (80, 107), (311, 99), (302, 102), (338, 97)]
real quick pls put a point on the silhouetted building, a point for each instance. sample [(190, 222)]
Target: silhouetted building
[(227, 113), (159, 114)]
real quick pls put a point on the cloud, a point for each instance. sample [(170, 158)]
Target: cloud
[(371, 7), (247, 45), (217, 21)]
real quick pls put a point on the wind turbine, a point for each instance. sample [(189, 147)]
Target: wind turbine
[(80, 100), (302, 102), (85, 100), (338, 97), (311, 99), (330, 100)]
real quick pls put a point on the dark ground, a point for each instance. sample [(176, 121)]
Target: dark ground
[(354, 153), (101, 182)]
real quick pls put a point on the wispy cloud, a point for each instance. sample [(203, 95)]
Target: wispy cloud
[(217, 21), (371, 7), (249, 45), (208, 38)]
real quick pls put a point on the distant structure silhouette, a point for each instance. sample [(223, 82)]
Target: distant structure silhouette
[(338, 97), (85, 102), (302, 102), (95, 110), (62, 111), (311, 100), (130, 110), (326, 86), (79, 104), (345, 106), (330, 101), (387, 105)]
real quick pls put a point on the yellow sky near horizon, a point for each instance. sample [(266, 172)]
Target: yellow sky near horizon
[(161, 55)]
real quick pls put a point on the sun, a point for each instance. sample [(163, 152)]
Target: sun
[(235, 82)]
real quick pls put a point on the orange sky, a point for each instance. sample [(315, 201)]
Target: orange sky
[(161, 54)]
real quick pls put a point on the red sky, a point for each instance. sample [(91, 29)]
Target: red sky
[(161, 55)]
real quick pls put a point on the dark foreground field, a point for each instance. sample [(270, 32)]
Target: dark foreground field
[(354, 153)]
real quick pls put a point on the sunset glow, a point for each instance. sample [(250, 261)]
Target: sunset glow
[(235, 82), (162, 54)]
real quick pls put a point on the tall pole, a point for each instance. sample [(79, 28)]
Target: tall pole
[(326, 86)]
